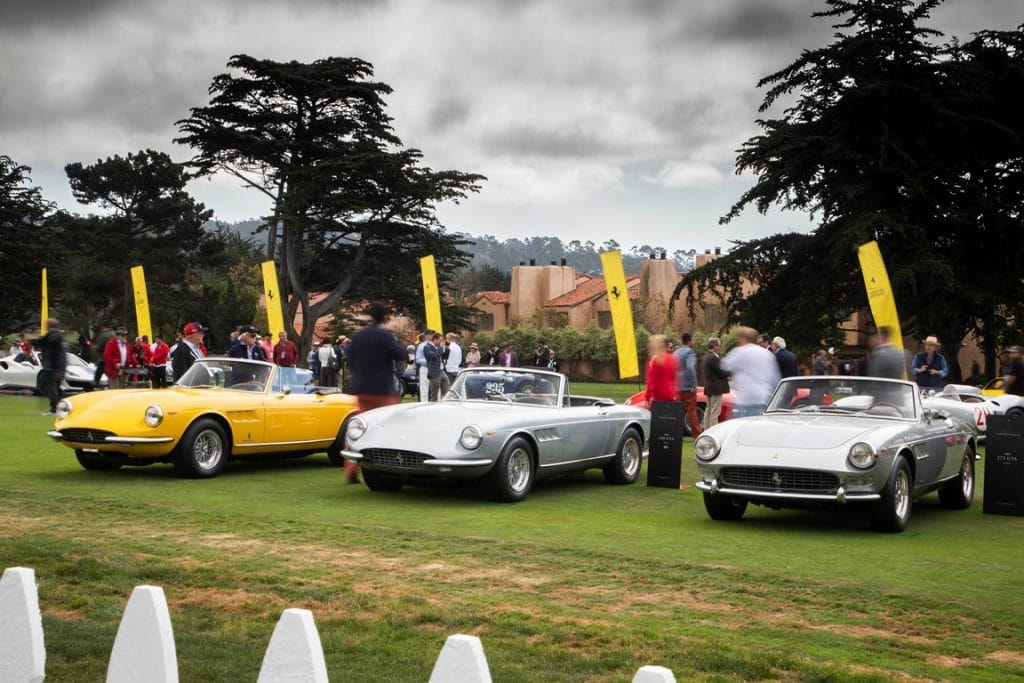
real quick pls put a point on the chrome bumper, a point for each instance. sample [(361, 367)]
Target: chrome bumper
[(123, 440), (357, 457), (840, 496)]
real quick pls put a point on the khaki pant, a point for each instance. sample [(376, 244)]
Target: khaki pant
[(712, 410)]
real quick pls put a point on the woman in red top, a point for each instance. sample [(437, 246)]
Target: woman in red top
[(661, 370)]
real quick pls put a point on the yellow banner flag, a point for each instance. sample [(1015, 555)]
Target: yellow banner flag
[(275, 307), (622, 314), (141, 303), (44, 312), (880, 296), (431, 296)]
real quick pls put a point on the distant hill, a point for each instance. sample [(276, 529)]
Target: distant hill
[(488, 250)]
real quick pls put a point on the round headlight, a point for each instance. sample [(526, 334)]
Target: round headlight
[(471, 437), (862, 456), (706, 448), (64, 408), (154, 416), (356, 429)]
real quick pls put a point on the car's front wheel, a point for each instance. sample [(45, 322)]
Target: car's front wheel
[(892, 512), (511, 478), (97, 463), (724, 508), (624, 468), (375, 481), (958, 492), (203, 451), (334, 450)]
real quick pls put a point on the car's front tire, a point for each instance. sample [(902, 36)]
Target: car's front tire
[(511, 478), (892, 512), (725, 508), (958, 492), (375, 481), (624, 468), (203, 451), (97, 463), (334, 450)]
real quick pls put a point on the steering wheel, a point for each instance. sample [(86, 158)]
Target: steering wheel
[(886, 406), (504, 397), (247, 386)]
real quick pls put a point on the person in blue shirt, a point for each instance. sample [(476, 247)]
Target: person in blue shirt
[(686, 382)]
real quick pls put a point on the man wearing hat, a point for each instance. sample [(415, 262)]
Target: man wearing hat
[(473, 355), (1013, 380), (189, 350), (116, 357), (929, 367)]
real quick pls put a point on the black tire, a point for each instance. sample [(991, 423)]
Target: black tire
[(724, 508), (1016, 412), (334, 450), (700, 420), (375, 481), (892, 512), (624, 468), (958, 493), (203, 451), (97, 463), (511, 478)]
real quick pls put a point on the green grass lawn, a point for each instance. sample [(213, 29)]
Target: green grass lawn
[(581, 582)]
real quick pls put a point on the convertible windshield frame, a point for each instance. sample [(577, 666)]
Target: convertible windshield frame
[(872, 397), (519, 386), (232, 374)]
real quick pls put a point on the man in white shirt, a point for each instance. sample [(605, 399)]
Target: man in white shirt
[(421, 367), (755, 373), (454, 361)]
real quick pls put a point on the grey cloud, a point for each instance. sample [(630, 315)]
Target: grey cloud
[(448, 113), (19, 15), (517, 140)]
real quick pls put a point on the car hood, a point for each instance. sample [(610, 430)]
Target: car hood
[(802, 432), (128, 401), (446, 416)]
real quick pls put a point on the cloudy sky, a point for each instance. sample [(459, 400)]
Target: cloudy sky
[(592, 119)]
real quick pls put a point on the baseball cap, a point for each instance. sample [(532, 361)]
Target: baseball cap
[(193, 328)]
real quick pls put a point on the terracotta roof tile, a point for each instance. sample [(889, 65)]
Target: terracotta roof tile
[(495, 297), (591, 289)]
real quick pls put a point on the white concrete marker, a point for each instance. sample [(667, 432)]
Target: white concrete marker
[(295, 653), (461, 660), (22, 652), (654, 674), (144, 646)]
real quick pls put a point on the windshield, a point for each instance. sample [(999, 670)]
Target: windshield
[(227, 373), (510, 386), (849, 395)]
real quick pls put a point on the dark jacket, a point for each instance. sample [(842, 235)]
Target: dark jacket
[(787, 363), (716, 380), (433, 356), (372, 359), (237, 350), (182, 359), (52, 350)]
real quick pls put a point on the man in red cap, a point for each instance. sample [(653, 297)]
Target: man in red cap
[(189, 349)]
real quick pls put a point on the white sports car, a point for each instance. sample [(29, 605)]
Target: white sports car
[(503, 427), (969, 404), (827, 440), (22, 374)]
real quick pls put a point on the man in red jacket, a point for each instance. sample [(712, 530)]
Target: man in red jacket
[(286, 354), (117, 355)]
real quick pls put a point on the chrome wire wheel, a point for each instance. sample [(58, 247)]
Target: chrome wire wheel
[(207, 449), (631, 457), (967, 476), (517, 472), (901, 497)]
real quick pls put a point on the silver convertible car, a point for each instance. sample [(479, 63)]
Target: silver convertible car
[(838, 440), (504, 427)]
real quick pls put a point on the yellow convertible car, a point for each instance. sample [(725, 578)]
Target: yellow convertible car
[(221, 409)]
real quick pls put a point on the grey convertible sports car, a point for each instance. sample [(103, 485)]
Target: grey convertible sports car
[(505, 427), (838, 440)]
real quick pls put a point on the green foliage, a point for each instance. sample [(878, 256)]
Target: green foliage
[(353, 209), (894, 137), (25, 232)]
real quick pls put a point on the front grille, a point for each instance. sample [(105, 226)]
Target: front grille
[(769, 479), (85, 435), (395, 458)]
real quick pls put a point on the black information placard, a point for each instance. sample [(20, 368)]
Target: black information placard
[(666, 446), (1004, 465)]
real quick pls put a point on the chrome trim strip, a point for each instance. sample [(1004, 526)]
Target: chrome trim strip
[(457, 463), (281, 443), (747, 493), (573, 462), (139, 439), (352, 455), (55, 435)]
